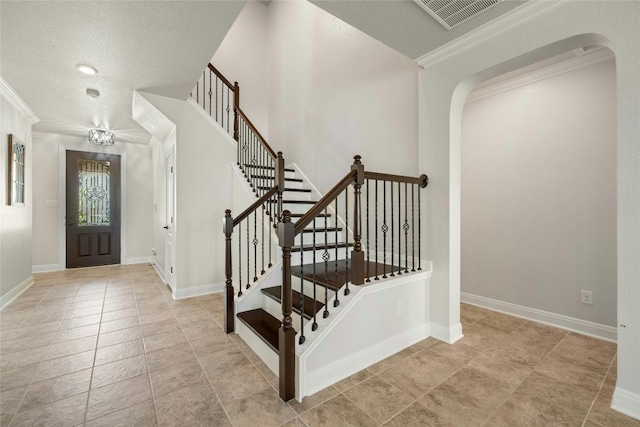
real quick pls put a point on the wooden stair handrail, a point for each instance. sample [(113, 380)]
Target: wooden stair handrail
[(255, 205), (422, 180), (221, 77), (324, 202), (258, 134)]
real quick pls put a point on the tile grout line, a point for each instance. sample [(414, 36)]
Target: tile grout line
[(586, 418), (530, 373)]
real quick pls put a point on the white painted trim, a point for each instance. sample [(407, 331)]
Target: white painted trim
[(160, 272), (196, 291), (14, 293), (138, 260), (14, 99), (46, 268), (353, 363), (306, 179), (542, 70), (446, 334), (62, 194), (584, 327), (492, 28), (626, 402)]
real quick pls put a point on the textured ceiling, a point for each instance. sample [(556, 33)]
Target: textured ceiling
[(156, 46), (405, 26)]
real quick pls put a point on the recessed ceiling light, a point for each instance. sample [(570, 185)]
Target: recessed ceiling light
[(93, 93), (87, 69)]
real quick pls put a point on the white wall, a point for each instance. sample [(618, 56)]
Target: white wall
[(539, 194), (137, 239), (444, 85), (242, 58), (203, 156), (335, 92), (15, 221)]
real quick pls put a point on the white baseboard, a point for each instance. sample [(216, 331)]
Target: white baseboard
[(138, 260), (584, 327), (446, 334), (353, 363), (46, 268), (160, 272), (626, 402), (14, 293), (196, 291)]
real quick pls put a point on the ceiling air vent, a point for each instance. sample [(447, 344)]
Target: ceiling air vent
[(453, 12)]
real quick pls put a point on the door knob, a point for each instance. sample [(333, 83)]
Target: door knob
[(166, 227)]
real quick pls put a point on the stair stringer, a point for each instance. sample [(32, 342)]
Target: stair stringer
[(367, 327)]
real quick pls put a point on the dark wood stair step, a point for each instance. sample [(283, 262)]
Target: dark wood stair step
[(300, 202), (266, 167), (330, 281), (321, 230), (263, 324), (275, 293), (320, 246), (299, 215), (298, 190), (270, 177)]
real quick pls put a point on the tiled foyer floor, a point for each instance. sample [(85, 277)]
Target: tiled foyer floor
[(108, 346)]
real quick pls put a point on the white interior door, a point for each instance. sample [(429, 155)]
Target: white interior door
[(170, 222)]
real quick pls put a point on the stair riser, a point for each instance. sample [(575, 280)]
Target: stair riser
[(250, 171), (318, 222), (308, 291), (310, 257), (295, 208), (296, 195), (274, 308), (307, 238)]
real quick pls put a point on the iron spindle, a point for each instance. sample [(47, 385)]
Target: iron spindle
[(217, 78), (346, 235), (399, 232), (302, 338), (269, 231), (368, 244), (325, 257), (336, 243), (204, 87), (376, 252), (198, 92), (228, 100), (314, 325), (262, 240), (406, 231), (392, 236), (238, 146), (248, 257), (240, 260), (413, 230), (419, 234), (255, 245), (210, 92)]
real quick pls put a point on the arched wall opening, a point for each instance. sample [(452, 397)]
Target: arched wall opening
[(446, 80), (538, 193)]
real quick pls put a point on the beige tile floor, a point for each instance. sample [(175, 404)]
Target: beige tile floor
[(108, 346)]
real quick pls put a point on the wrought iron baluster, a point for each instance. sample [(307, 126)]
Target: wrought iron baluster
[(413, 230), (368, 243), (198, 92), (270, 231), (240, 260), (406, 232), (217, 92), (248, 257), (335, 302), (302, 337), (204, 88), (210, 91), (228, 109), (392, 236), (314, 325), (325, 258), (255, 245), (399, 233), (346, 235), (262, 240), (419, 234), (239, 143)]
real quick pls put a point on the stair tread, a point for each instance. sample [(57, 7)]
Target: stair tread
[(330, 281), (299, 215), (270, 177), (263, 324), (321, 246), (299, 190), (276, 294), (266, 167), (321, 230), (300, 202)]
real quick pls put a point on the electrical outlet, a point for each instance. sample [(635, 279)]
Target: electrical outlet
[(586, 297), (400, 307), (153, 251)]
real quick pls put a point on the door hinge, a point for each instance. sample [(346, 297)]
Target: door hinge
[(171, 268), (171, 167)]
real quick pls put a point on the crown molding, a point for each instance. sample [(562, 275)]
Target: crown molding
[(542, 72), (7, 91), (512, 18)]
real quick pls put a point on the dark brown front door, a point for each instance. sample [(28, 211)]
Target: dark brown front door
[(93, 209)]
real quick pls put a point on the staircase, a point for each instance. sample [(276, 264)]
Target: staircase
[(305, 260)]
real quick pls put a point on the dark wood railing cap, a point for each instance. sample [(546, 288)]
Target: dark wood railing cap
[(221, 77), (255, 205)]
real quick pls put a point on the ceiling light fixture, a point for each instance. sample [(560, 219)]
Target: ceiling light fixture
[(101, 137), (94, 93), (87, 69)]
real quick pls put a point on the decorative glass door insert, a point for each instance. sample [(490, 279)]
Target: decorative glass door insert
[(94, 198)]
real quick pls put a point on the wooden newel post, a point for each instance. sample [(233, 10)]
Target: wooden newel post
[(286, 335), (280, 180), (227, 229), (236, 105), (357, 255)]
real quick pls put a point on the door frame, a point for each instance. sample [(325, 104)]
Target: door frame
[(62, 197), (170, 276)]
